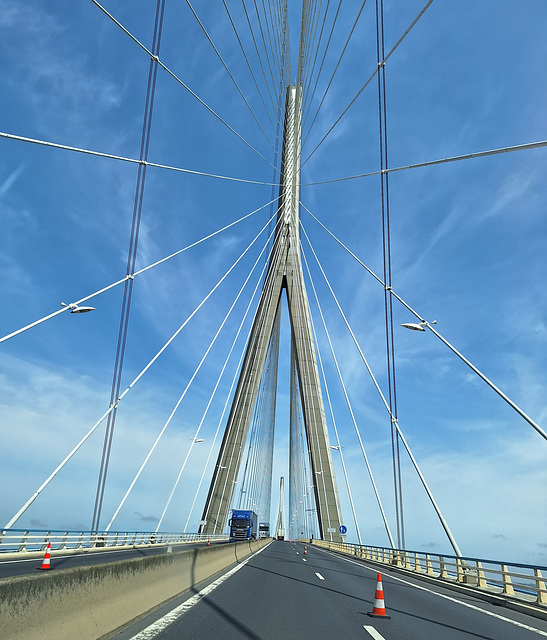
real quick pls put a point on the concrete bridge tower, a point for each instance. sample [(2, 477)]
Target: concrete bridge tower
[(284, 275)]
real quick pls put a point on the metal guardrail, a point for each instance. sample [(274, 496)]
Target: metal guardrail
[(32, 540), (511, 580)]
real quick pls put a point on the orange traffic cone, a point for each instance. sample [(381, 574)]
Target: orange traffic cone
[(379, 609), (46, 561), (305, 550), (209, 542)]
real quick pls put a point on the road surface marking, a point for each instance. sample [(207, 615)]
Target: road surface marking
[(160, 625), (319, 576), (372, 631), (304, 559), (442, 595)]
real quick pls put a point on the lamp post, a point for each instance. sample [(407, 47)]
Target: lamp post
[(423, 324), (74, 308)]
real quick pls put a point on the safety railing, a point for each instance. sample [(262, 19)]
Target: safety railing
[(511, 580), (32, 540)]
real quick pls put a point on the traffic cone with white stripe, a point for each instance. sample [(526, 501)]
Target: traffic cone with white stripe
[(379, 609), (46, 562), (209, 542), (305, 550)]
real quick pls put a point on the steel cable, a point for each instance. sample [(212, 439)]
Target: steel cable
[(131, 258)]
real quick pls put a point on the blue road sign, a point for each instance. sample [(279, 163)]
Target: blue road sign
[(342, 529)]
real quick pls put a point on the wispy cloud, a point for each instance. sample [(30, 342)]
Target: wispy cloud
[(60, 85), (515, 480), (57, 426), (10, 180)]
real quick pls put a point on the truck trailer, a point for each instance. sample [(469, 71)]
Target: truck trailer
[(243, 525)]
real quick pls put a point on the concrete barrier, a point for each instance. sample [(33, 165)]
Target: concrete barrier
[(92, 602)]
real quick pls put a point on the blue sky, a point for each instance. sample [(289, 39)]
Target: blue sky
[(467, 238)]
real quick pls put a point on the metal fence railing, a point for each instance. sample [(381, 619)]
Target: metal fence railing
[(511, 580), (32, 540)]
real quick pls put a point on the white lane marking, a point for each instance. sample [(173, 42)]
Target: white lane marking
[(319, 576), (160, 625), (304, 559), (442, 595), (372, 631)]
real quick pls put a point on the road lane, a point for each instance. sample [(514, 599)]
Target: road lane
[(275, 595), (418, 609), (280, 593), (22, 566)]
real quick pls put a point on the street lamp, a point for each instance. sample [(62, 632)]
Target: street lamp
[(421, 327), (74, 308), (416, 326)]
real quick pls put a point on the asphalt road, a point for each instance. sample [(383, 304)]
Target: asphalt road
[(19, 567), (280, 593)]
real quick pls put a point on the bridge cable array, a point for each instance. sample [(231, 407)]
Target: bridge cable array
[(336, 67), (386, 255), (255, 476), (136, 273), (346, 397), (369, 80), (235, 462), (394, 422), (131, 261), (477, 371), (302, 506), (131, 385), (256, 473), (183, 84), (178, 403), (228, 72), (230, 391)]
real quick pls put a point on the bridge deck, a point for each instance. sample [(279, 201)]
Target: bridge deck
[(280, 593)]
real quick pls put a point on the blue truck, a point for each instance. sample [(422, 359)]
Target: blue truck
[(243, 525)]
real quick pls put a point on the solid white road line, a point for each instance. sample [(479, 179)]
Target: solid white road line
[(160, 625), (372, 631), (442, 595), (319, 576)]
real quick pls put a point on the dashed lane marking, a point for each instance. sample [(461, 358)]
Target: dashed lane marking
[(442, 595), (372, 631), (319, 576)]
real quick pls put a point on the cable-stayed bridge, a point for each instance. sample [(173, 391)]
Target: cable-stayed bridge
[(305, 371)]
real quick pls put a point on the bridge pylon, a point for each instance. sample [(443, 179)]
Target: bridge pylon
[(279, 531), (284, 274)]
